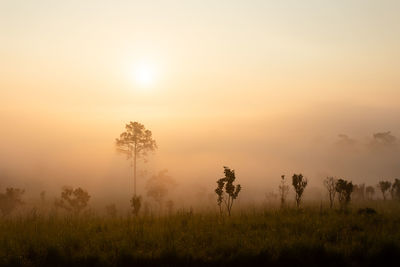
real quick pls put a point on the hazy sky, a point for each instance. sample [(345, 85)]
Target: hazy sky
[(232, 82)]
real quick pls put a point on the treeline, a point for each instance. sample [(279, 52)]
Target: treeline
[(339, 191), (137, 141)]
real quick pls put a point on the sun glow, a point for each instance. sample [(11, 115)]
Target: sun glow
[(145, 74)]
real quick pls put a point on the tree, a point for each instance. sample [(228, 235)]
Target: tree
[(345, 141), (112, 210), (136, 204), (384, 138), (395, 190), (43, 196), (170, 206), (271, 197), (220, 193), (299, 183), (359, 192), (135, 142), (370, 191), (158, 186), (344, 189), (329, 184), (226, 191), (283, 190), (10, 200), (73, 200), (384, 186)]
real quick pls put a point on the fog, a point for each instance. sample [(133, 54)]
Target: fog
[(265, 88), (47, 152)]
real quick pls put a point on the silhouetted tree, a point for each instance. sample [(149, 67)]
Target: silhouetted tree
[(135, 142), (283, 190), (344, 189), (299, 183), (220, 193), (384, 186), (136, 204), (329, 184), (369, 191), (395, 190), (231, 191), (158, 186), (74, 200), (10, 200), (359, 192), (111, 210), (384, 138)]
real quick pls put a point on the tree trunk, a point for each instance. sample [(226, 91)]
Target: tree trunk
[(134, 171)]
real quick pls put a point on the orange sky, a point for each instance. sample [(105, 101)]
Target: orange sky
[(234, 79)]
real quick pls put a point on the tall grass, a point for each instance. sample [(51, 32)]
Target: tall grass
[(312, 235)]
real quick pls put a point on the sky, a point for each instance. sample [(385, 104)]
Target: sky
[(264, 87)]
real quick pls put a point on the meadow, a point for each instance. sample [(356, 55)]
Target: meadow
[(313, 235)]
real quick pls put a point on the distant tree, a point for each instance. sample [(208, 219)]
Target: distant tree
[(299, 183), (135, 142), (345, 141), (359, 192), (111, 210), (170, 206), (344, 189), (271, 197), (136, 204), (370, 191), (158, 186), (10, 200), (146, 208), (329, 184), (43, 196), (395, 190), (226, 191), (384, 138), (283, 190), (384, 186), (73, 200)]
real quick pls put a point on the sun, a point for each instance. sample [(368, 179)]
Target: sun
[(144, 74)]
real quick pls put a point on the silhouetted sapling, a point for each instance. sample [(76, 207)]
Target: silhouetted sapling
[(231, 191), (73, 200), (299, 183), (329, 184), (344, 189), (283, 190)]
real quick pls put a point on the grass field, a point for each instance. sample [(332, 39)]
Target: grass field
[(312, 236)]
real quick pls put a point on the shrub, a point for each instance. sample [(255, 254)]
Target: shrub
[(231, 191), (299, 183), (73, 200), (344, 189)]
